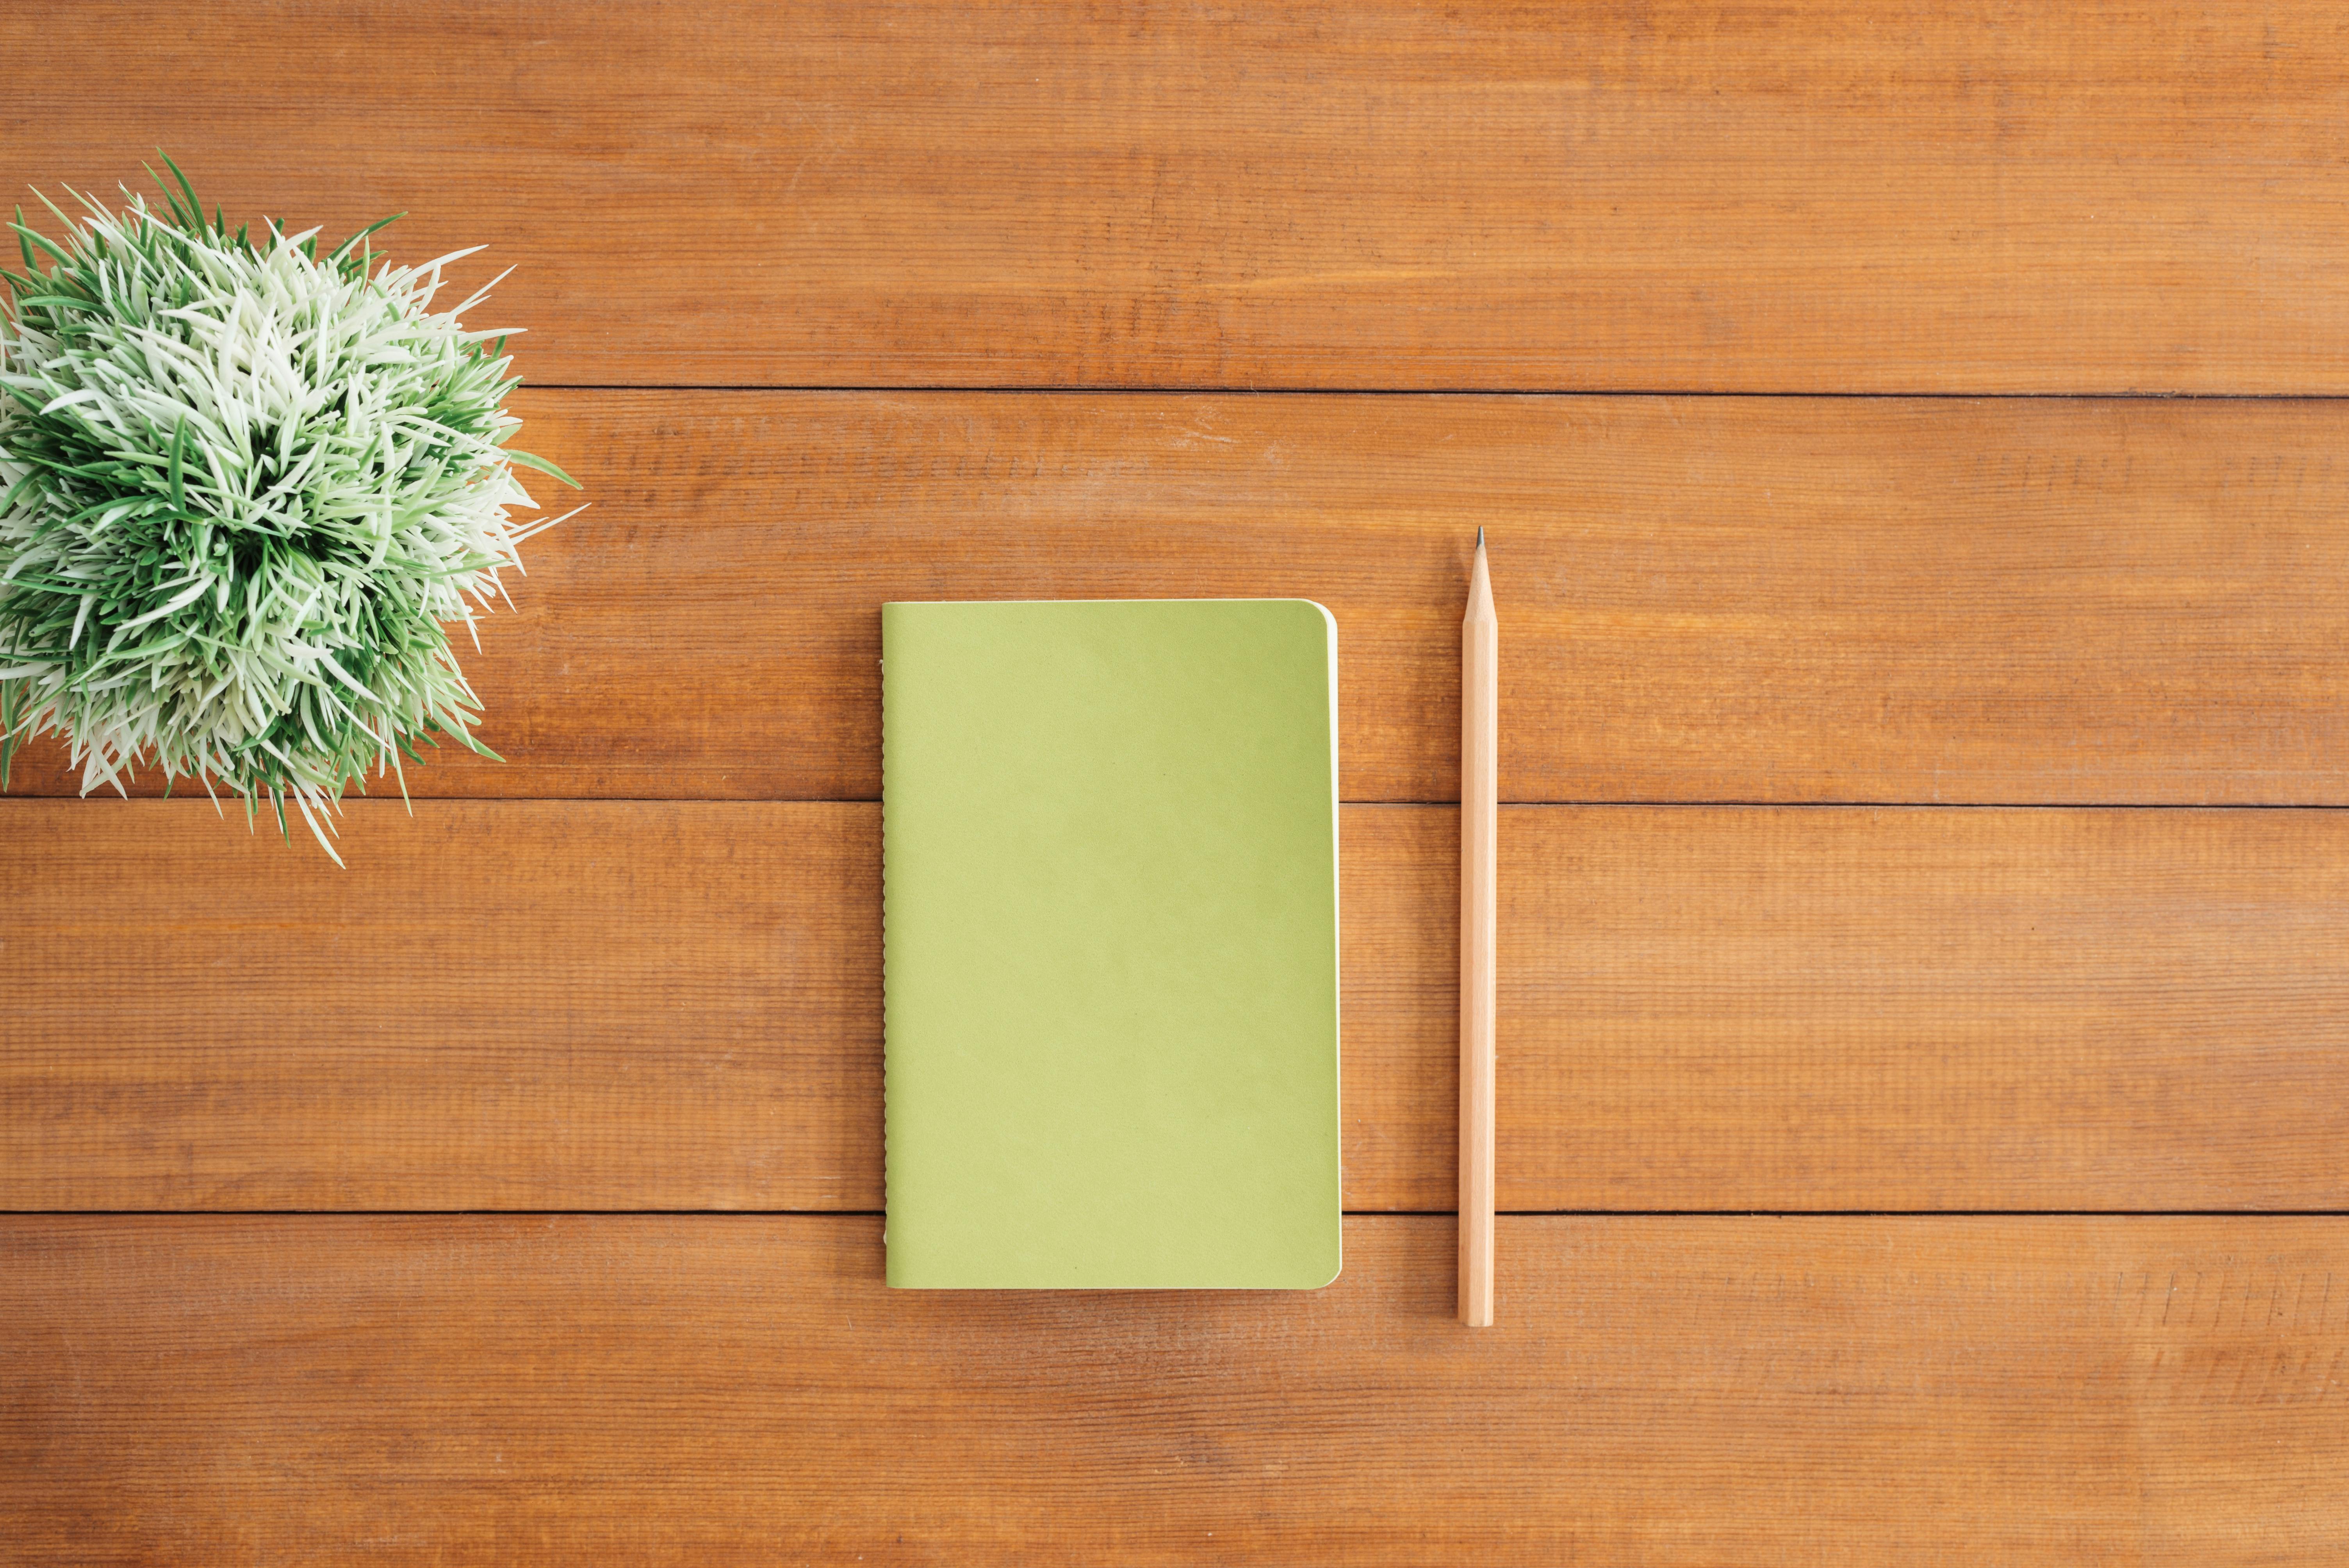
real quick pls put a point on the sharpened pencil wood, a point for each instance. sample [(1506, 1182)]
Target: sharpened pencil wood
[(1480, 795)]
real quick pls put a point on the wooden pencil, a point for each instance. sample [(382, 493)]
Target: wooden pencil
[(1480, 799)]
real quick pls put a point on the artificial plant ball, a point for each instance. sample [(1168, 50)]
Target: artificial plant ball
[(242, 488)]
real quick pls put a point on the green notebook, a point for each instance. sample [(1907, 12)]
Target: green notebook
[(1110, 904)]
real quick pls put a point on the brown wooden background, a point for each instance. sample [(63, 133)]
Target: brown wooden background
[(1925, 986)]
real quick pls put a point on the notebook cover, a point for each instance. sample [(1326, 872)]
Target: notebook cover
[(1110, 912)]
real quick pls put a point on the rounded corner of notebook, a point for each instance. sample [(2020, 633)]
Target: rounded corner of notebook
[(1336, 1263), (1329, 621)]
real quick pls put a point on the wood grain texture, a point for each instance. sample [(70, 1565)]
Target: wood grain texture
[(1692, 195), (1704, 599), (676, 1006), (662, 1389), (573, 1004), (1924, 1009)]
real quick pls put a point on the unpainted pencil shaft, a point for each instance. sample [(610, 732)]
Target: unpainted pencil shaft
[(1480, 795)]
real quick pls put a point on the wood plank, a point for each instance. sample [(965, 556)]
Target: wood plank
[(1702, 598), (676, 1006), (589, 1005), (1924, 1009), (705, 1390), (2106, 197)]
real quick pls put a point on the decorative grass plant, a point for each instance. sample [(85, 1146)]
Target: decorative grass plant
[(243, 487)]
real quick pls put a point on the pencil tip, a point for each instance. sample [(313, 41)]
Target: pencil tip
[(1480, 536)]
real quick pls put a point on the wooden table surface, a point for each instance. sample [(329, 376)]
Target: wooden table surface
[(1910, 441)]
